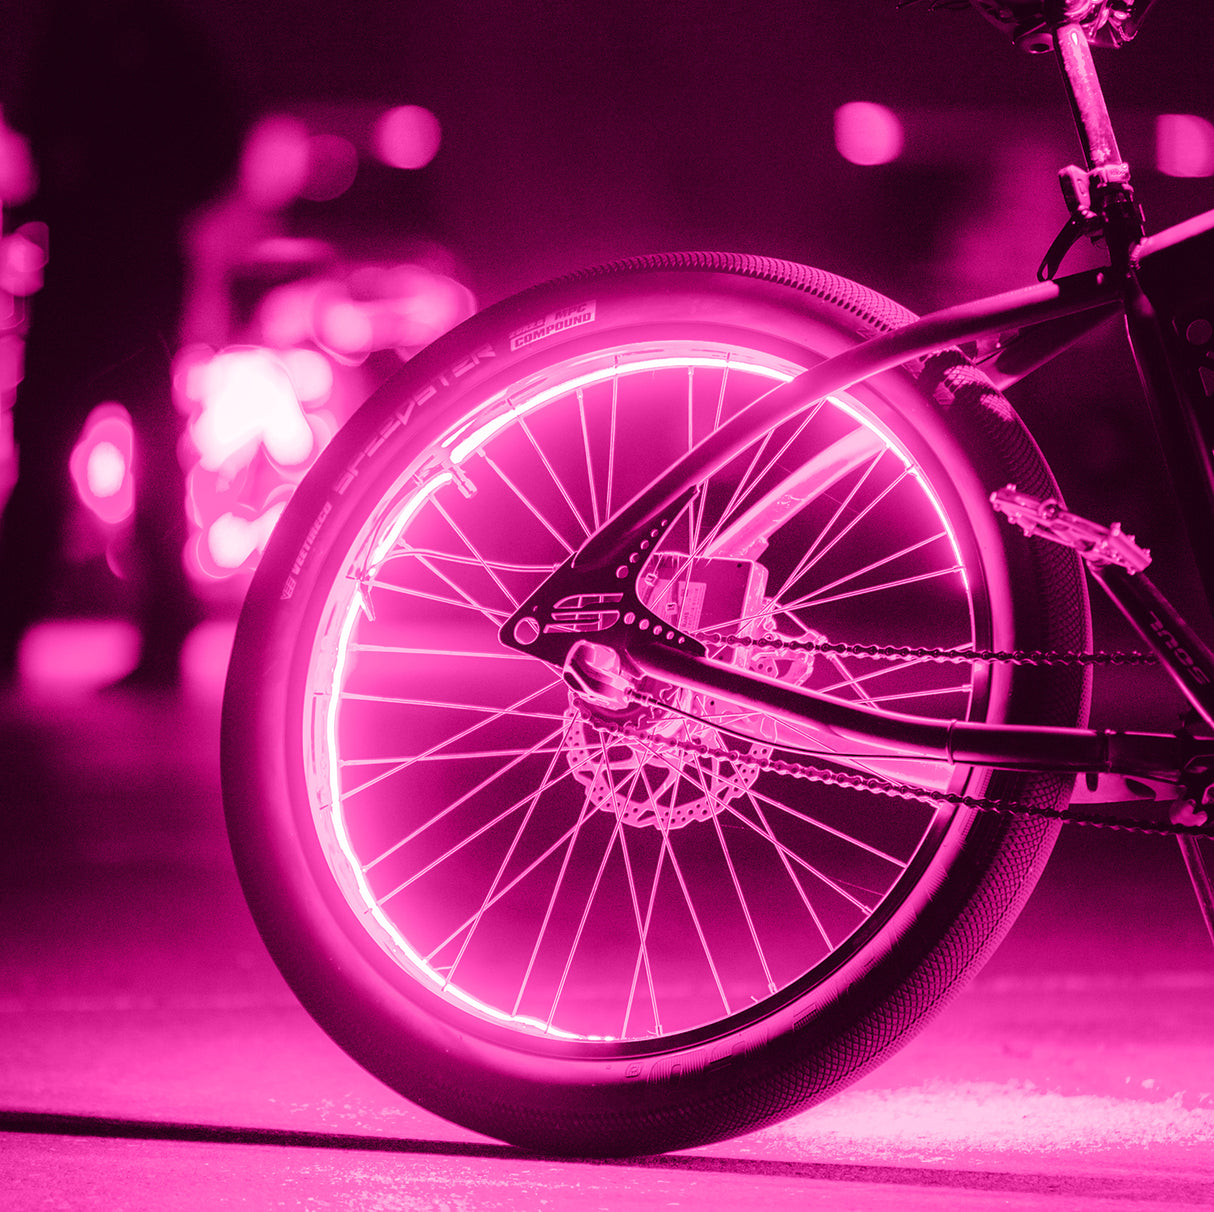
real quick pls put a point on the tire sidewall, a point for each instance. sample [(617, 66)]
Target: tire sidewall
[(345, 981)]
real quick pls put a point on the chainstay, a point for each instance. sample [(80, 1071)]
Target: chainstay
[(870, 784)]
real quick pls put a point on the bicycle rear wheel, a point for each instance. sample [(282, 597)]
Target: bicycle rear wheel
[(604, 935)]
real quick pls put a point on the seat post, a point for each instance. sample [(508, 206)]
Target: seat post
[(1088, 106), (1107, 198)]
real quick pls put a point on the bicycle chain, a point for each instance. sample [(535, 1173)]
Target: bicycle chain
[(872, 784), (940, 655)]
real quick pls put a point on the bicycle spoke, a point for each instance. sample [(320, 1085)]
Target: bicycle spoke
[(534, 799), (492, 714), (813, 599), (642, 959), (817, 823), (668, 849), (695, 920), (496, 617), (585, 527), (728, 520), (519, 757), (572, 835), (490, 901), (587, 448), (785, 861), (479, 654), (560, 875), (531, 507), (537, 571), (581, 927), (700, 504), (400, 762), (486, 565), (802, 861), (743, 904), (816, 550), (612, 447), (853, 679)]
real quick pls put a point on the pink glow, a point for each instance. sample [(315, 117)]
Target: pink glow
[(101, 464), (1184, 145), (285, 314), (867, 133), (248, 400), (332, 167), (425, 693), (259, 414), (274, 166), (401, 307), (345, 328), (232, 540), (78, 654), (12, 366), (407, 137), (23, 258), (256, 423), (18, 177), (311, 375), (204, 657)]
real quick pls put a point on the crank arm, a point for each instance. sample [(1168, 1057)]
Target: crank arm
[(1152, 804)]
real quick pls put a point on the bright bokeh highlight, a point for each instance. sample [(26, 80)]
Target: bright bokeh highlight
[(248, 401), (259, 415), (867, 133), (18, 176), (407, 136), (100, 464), (256, 424), (232, 540), (1184, 145), (23, 258)]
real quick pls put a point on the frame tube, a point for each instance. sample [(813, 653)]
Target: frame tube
[(1093, 289), (1005, 746)]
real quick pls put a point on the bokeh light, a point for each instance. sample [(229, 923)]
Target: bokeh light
[(275, 162), (1184, 145), (100, 464), (867, 133), (407, 136), (248, 401)]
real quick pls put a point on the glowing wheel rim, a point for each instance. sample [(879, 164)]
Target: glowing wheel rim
[(745, 961)]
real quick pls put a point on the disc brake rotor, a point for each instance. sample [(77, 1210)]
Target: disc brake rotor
[(659, 785)]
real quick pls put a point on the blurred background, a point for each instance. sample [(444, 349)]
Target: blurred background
[(224, 225)]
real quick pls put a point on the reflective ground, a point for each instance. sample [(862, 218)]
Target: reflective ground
[(152, 1057)]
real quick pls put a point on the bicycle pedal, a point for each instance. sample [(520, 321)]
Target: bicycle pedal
[(1099, 545)]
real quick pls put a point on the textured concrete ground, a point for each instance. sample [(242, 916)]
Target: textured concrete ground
[(153, 1058)]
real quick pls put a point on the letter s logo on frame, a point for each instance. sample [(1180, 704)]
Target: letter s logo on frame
[(585, 612)]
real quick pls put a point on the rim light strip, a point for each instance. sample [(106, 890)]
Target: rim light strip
[(459, 453)]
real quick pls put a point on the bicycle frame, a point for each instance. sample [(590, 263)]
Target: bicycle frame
[(1157, 285)]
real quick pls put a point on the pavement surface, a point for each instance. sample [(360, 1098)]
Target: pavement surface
[(153, 1058)]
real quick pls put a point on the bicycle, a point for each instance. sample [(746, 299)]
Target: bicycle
[(643, 719)]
